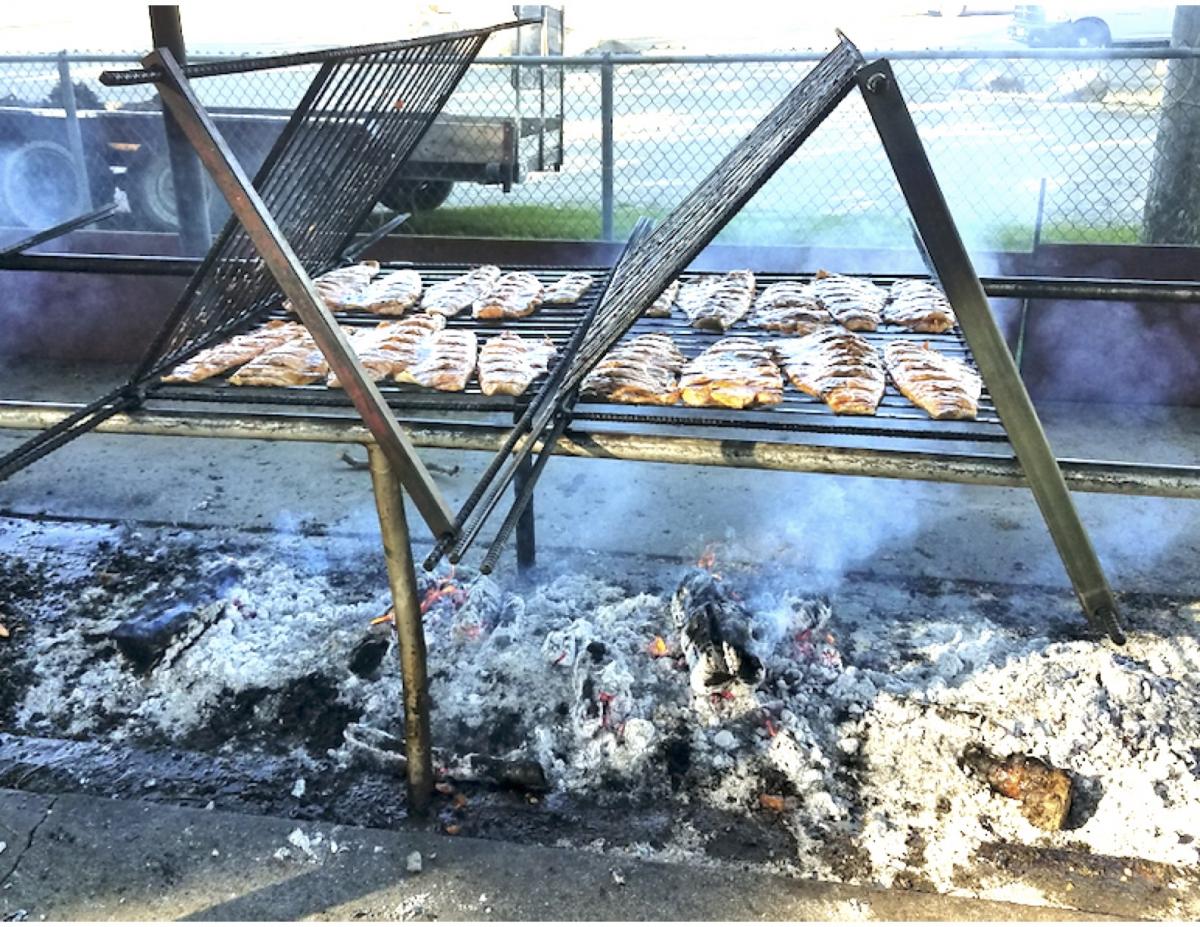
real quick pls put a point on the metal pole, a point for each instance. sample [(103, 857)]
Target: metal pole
[(526, 538), (1037, 241), (410, 634), (195, 235), (965, 292), (74, 135), (606, 147)]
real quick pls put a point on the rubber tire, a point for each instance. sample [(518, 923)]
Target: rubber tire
[(1092, 33), (151, 192), (39, 186), (404, 195)]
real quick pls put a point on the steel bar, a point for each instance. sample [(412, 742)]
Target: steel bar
[(1093, 476), (606, 148), (359, 248), (286, 269), (62, 228), (217, 67), (526, 521), (74, 134), (187, 177), (410, 633), (65, 429), (961, 284)]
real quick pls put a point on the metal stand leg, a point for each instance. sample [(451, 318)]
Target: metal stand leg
[(962, 286), (526, 540), (410, 634)]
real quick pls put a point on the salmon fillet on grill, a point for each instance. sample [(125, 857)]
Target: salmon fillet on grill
[(294, 363), (450, 297), (735, 373), (339, 287), (234, 352), (836, 366), (852, 301), (643, 371), (789, 307), (393, 293), (508, 363), (391, 346), (717, 302), (662, 306), (567, 289), (514, 296), (445, 362), (919, 307), (944, 387)]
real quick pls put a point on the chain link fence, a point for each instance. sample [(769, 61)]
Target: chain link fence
[(1031, 147)]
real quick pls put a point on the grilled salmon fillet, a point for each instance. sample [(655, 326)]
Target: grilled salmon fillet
[(508, 363), (716, 302), (445, 361), (943, 386), (391, 346), (451, 297), (294, 363), (514, 296), (735, 373), (661, 307), (234, 352), (836, 366), (340, 286), (567, 289), (393, 293), (852, 301), (789, 307), (643, 371), (919, 307)]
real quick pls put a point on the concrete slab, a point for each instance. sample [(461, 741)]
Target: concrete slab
[(22, 813), (98, 860)]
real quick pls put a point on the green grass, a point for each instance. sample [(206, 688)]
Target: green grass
[(764, 229)]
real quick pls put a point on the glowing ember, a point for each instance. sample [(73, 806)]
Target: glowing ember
[(382, 619), (658, 647), (708, 559), (445, 589)]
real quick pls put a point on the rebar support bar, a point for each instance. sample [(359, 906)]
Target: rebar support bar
[(410, 633)]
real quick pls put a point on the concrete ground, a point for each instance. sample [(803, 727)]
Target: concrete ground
[(163, 863)]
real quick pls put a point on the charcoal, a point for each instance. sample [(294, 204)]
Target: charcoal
[(715, 629), (1044, 791), (367, 656)]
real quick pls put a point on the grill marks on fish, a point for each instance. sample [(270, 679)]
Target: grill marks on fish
[(717, 302), (855, 303), (919, 307), (508, 363), (339, 287), (735, 373), (567, 289), (445, 361), (836, 366), (451, 297), (392, 347), (294, 363), (944, 387), (644, 371), (662, 306), (394, 293), (233, 353), (789, 307), (514, 296)]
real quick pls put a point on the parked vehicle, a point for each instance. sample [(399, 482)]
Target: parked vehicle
[(1091, 25)]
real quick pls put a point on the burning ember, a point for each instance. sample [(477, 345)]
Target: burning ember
[(658, 648), (446, 588), (708, 559)]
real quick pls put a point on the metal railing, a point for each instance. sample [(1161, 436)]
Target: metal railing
[(1074, 129)]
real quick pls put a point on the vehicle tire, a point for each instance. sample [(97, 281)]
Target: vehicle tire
[(39, 186), (405, 195), (150, 188), (1092, 33)]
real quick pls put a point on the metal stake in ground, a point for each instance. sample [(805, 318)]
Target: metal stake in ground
[(410, 634)]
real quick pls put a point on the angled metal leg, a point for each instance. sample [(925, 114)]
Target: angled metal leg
[(284, 265), (410, 632), (962, 286), (526, 538)]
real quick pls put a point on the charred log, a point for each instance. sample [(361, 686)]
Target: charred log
[(715, 629)]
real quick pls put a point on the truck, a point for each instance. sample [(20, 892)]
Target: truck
[(74, 150)]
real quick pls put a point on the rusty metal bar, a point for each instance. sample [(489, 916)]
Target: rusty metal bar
[(410, 634), (286, 268)]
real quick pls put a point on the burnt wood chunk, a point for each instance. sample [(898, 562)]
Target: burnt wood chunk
[(1044, 791), (715, 630)]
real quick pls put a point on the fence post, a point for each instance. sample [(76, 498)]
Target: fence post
[(606, 147), (74, 135)]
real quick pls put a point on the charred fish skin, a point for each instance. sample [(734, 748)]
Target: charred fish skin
[(918, 306), (392, 293), (856, 303), (391, 347), (450, 297), (644, 371), (838, 367), (664, 303), (715, 303), (298, 362), (944, 387), (514, 296), (789, 307), (338, 288), (734, 373), (446, 361), (568, 289), (239, 350), (716, 632), (508, 363)]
